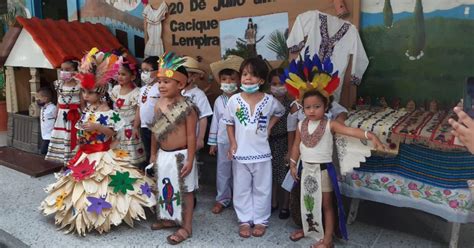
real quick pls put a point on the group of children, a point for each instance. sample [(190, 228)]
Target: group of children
[(253, 133)]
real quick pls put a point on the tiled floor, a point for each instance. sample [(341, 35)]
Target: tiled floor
[(377, 225)]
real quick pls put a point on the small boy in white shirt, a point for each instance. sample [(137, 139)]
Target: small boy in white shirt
[(198, 97), (226, 72), (149, 95), (48, 114)]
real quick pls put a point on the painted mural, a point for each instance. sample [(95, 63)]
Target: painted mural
[(120, 16), (418, 49)]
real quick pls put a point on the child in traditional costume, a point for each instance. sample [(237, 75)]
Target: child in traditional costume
[(125, 96), (279, 146), (100, 188), (227, 74), (174, 133), (149, 95), (314, 82), (63, 143), (249, 117)]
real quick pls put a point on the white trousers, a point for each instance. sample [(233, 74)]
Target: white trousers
[(223, 175), (252, 191)]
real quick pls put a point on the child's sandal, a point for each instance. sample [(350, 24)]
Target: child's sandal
[(244, 231), (259, 230)]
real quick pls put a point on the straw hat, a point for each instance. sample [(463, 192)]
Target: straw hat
[(192, 65), (231, 62)]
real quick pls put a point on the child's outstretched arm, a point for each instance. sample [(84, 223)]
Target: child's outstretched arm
[(295, 155), (339, 128), (191, 122), (153, 149), (232, 141)]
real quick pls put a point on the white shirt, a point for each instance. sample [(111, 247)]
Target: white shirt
[(294, 118), (322, 152), (218, 130), (251, 131), (148, 97), (330, 31), (47, 119), (199, 98)]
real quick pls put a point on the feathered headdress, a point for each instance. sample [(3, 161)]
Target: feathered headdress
[(169, 64), (98, 68), (307, 74)]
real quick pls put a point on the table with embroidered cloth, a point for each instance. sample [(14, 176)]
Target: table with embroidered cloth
[(423, 169)]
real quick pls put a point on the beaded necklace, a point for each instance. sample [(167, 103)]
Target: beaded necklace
[(311, 140), (63, 95)]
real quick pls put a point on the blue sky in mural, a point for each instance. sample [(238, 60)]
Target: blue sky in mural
[(232, 29), (460, 12)]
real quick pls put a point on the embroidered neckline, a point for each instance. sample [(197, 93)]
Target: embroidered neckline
[(311, 140), (327, 45), (243, 112)]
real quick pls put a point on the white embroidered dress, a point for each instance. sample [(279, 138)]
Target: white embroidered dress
[(153, 18), (126, 105), (59, 149)]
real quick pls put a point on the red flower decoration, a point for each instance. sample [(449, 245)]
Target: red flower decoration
[(128, 133), (82, 170), (140, 150), (119, 103)]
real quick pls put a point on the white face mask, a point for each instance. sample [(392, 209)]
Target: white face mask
[(229, 88), (278, 90), (146, 77), (66, 75), (252, 88)]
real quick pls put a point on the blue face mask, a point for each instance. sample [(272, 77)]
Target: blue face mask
[(250, 88)]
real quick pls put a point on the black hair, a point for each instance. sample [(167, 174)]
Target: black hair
[(275, 73), (258, 68), (183, 70), (46, 91), (74, 63), (153, 61), (228, 72), (327, 101), (129, 66)]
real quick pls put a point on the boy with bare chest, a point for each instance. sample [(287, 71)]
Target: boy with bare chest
[(173, 146)]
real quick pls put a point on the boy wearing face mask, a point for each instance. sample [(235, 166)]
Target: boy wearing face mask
[(227, 74), (149, 95), (47, 116)]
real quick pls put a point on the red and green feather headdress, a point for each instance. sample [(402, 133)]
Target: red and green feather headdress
[(308, 74), (98, 68)]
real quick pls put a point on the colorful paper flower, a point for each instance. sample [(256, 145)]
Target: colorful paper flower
[(103, 119), (121, 153), (82, 170), (115, 117), (119, 103), (60, 200), (121, 182), (97, 204), (146, 190)]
